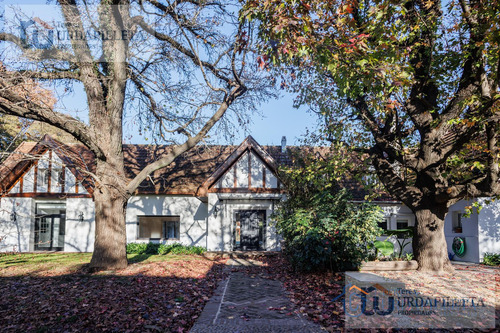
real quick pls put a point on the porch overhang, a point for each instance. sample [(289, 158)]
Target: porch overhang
[(250, 196)]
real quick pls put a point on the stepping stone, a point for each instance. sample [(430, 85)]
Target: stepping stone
[(363, 280)]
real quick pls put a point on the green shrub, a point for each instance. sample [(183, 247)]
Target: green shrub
[(181, 249), (137, 248), (330, 234), (491, 259), (164, 249), (156, 248), (152, 248)]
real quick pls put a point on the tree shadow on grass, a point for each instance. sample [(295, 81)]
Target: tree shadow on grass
[(139, 258), (161, 297)]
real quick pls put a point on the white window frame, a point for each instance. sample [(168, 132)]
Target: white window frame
[(394, 221), (457, 221), (43, 177), (164, 220)]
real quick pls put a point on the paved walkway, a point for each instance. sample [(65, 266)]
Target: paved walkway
[(244, 304)]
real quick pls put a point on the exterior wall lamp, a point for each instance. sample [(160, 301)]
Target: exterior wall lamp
[(217, 208), (80, 216), (13, 217)]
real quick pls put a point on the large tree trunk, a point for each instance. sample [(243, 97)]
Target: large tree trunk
[(110, 233), (110, 207), (429, 243)]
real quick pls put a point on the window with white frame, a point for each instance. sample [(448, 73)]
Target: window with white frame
[(43, 177), (58, 177), (402, 223), (385, 223), (159, 227), (456, 221)]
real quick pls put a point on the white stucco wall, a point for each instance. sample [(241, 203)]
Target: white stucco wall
[(79, 234), (394, 212), (240, 168), (489, 225), (480, 231), (16, 235), (469, 232), (220, 227), (192, 212)]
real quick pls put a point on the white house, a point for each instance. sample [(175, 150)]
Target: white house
[(218, 197)]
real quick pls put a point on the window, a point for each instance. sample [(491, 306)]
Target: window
[(456, 221), (402, 224), (44, 226), (58, 176), (158, 227), (43, 177), (172, 229), (384, 223)]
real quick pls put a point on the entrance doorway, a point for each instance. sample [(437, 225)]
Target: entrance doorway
[(249, 230), (50, 226)]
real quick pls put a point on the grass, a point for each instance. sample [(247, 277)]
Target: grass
[(66, 263), (39, 263)]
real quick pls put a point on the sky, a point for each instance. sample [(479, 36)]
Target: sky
[(278, 117)]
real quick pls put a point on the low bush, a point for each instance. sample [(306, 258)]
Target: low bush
[(156, 248), (137, 248), (491, 259)]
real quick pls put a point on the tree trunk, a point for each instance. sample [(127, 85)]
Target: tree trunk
[(429, 243), (110, 231)]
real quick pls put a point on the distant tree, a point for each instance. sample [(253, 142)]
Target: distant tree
[(9, 126), (14, 130), (176, 66), (414, 85)]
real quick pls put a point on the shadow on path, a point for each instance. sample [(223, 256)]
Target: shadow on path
[(245, 303)]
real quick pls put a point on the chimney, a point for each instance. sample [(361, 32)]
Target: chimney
[(283, 144)]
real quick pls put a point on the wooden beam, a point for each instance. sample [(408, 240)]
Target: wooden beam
[(245, 190), (35, 178), (263, 176), (48, 195), (49, 172), (235, 185), (63, 180), (249, 169), (246, 145)]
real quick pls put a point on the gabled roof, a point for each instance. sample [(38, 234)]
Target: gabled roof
[(248, 145), (191, 173), (185, 176), (28, 153), (16, 164)]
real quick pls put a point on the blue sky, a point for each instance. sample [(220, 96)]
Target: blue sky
[(278, 118), (281, 119)]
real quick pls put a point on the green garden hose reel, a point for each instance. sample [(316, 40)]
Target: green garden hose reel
[(458, 246)]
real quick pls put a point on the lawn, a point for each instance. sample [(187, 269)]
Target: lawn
[(53, 293)]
